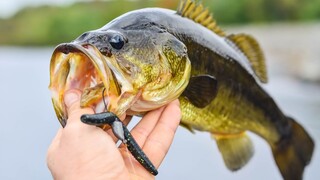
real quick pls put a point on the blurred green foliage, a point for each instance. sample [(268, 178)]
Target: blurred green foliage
[(51, 25), (253, 11)]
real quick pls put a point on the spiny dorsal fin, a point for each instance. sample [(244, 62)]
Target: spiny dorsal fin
[(196, 12), (251, 49)]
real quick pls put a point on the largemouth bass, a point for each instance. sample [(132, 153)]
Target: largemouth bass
[(146, 58)]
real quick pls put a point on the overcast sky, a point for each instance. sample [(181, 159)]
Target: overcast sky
[(9, 7)]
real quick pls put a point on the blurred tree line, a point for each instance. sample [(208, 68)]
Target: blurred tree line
[(51, 25), (252, 11)]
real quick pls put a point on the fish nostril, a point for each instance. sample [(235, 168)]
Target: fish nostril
[(105, 51)]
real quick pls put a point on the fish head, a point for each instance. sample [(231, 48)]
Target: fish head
[(120, 70)]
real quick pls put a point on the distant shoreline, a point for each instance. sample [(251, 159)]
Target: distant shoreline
[(51, 25)]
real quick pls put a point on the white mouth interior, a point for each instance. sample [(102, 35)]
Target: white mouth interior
[(83, 75)]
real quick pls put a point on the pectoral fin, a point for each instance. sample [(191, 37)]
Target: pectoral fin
[(201, 90), (236, 149)]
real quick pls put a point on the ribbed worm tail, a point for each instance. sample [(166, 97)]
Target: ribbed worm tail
[(137, 152)]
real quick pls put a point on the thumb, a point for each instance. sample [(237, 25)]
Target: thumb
[(72, 102), (72, 99)]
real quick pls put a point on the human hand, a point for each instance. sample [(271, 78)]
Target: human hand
[(81, 151)]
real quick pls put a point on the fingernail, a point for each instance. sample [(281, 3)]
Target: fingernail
[(70, 97)]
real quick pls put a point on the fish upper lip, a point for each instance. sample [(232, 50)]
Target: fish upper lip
[(69, 63), (66, 48)]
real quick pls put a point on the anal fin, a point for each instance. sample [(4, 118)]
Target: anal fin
[(236, 149)]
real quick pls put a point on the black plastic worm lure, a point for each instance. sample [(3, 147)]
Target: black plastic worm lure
[(121, 132)]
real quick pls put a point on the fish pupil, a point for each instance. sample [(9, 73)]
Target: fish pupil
[(117, 42)]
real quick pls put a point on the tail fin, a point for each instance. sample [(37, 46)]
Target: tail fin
[(293, 153)]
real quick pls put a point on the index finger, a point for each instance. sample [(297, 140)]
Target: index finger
[(160, 139)]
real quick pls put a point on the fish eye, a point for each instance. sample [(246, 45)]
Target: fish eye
[(117, 41)]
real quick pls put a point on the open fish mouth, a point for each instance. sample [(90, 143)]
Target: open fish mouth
[(82, 67)]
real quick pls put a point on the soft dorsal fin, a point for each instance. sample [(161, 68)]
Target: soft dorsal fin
[(196, 12), (251, 49)]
